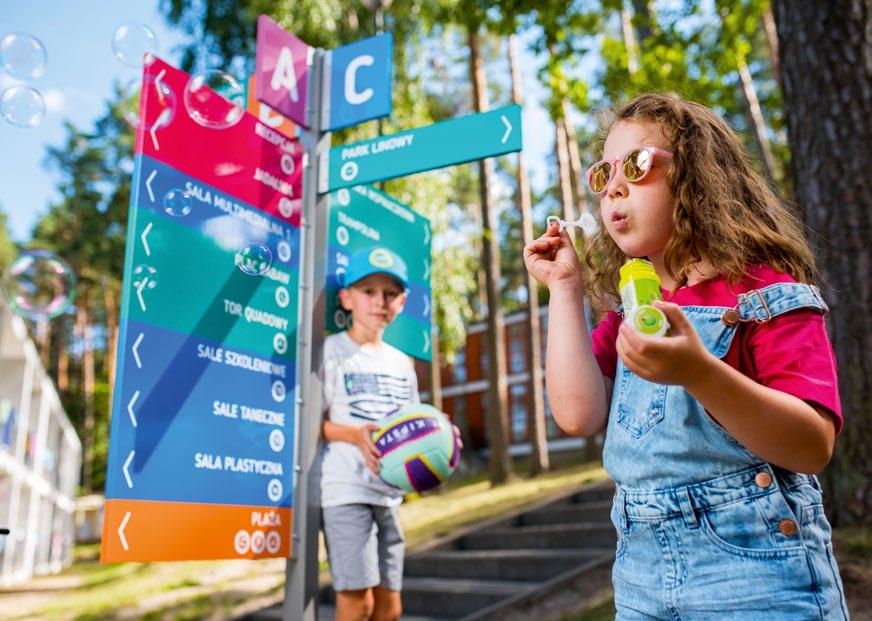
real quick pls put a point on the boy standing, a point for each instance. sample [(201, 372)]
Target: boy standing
[(364, 380)]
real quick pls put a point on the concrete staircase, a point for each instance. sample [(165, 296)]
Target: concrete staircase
[(508, 567)]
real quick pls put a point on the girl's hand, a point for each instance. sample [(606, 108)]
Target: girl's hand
[(552, 257), (363, 440), (677, 358), (456, 430)]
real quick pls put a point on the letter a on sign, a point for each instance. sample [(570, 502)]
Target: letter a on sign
[(282, 63)]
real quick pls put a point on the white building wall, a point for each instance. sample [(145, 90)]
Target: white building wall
[(40, 456)]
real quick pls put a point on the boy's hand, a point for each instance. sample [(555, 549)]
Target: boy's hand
[(552, 257), (363, 440), (456, 430), (678, 358)]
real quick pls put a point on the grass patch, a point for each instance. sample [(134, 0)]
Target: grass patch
[(602, 611)]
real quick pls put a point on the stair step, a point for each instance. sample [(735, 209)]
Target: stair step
[(535, 565), (569, 513), (328, 613), (456, 598), (585, 535)]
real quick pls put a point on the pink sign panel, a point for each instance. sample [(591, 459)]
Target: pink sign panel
[(282, 64), (239, 155)]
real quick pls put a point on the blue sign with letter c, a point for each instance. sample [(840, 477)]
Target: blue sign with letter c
[(360, 82)]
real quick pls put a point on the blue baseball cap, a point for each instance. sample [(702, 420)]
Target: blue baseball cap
[(375, 260)]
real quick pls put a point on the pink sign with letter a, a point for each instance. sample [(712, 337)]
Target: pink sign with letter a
[(282, 63)]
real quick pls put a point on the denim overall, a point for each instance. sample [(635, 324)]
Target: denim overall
[(707, 529)]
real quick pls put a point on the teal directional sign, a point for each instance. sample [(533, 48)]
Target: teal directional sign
[(360, 217), (459, 140)]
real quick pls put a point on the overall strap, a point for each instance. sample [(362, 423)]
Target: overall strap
[(761, 305)]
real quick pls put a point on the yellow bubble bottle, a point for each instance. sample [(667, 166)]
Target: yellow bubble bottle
[(640, 286)]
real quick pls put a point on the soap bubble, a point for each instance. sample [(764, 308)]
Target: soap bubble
[(22, 106), (214, 99), (38, 284), (145, 276), (254, 259), (131, 42), (22, 56), (160, 115), (177, 203)]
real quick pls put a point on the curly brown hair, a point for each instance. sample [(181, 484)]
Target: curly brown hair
[(724, 211)]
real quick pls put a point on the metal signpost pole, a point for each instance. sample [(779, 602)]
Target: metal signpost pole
[(301, 573)]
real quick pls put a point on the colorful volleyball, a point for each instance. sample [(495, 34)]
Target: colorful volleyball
[(418, 448)]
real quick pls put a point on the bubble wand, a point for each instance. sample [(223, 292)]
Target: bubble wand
[(586, 222)]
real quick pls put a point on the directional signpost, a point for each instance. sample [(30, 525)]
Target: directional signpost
[(229, 287), (363, 216), (464, 139), (202, 435)]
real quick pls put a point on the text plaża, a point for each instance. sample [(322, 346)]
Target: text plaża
[(241, 212), (228, 409), (245, 465), (244, 361), (357, 225), (377, 146)]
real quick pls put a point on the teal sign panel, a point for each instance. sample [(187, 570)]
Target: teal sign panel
[(464, 139), (360, 217)]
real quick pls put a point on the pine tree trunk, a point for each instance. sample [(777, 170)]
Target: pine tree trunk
[(63, 374), (755, 115), (561, 148), (435, 371), (772, 44), (83, 333), (110, 303), (535, 383), (576, 172), (498, 394), (629, 39), (826, 71)]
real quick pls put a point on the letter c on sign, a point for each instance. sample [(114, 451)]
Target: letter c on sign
[(351, 94)]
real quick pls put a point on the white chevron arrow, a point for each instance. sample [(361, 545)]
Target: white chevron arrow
[(148, 185), (426, 234), (130, 408), (145, 233), (157, 84), (161, 120), (508, 129), (426, 269), (126, 471), (426, 304), (426, 341), (139, 289), (121, 531), (135, 346)]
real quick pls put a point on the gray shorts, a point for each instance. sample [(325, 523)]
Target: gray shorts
[(365, 546)]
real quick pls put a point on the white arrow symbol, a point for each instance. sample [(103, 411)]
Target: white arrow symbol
[(139, 289), (126, 466), (121, 531), (136, 353), (145, 233), (130, 408), (148, 184), (426, 234), (508, 129), (157, 85), (426, 269), (426, 304), (161, 120), (426, 341)]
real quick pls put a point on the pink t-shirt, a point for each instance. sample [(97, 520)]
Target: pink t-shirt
[(791, 352)]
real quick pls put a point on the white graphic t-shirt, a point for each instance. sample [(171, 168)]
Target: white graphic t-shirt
[(362, 384)]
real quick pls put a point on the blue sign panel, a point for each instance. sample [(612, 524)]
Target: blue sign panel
[(359, 88)]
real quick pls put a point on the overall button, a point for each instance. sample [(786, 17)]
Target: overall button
[(763, 479), (730, 317), (787, 527)]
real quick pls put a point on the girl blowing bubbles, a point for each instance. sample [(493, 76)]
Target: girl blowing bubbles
[(713, 432)]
